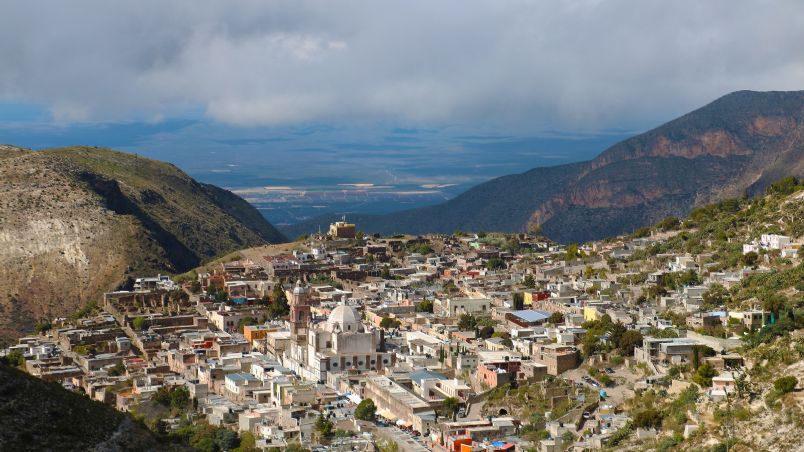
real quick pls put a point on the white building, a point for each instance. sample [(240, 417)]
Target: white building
[(774, 241), (341, 343)]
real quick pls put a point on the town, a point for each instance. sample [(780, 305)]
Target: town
[(460, 342)]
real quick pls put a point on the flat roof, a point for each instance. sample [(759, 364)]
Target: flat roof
[(529, 315)]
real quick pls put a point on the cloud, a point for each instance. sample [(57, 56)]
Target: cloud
[(577, 64)]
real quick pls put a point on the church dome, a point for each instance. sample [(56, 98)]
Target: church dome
[(344, 318), (299, 289)]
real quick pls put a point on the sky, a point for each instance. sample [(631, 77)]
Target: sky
[(185, 80)]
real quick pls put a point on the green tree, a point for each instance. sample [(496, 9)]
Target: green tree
[(117, 370), (628, 341), (323, 427), (389, 323), (688, 278), (486, 332), (518, 301), (648, 418), (529, 282), (749, 259), (425, 306), (571, 252), (703, 376), (450, 407), (467, 322), (14, 359), (366, 410), (248, 443), (715, 296), (774, 303), (180, 398), (669, 223), (279, 306), (784, 186), (495, 264), (42, 327), (138, 324), (556, 318), (226, 439)]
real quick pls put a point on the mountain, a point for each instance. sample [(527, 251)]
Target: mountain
[(37, 415), (733, 146), (76, 222)]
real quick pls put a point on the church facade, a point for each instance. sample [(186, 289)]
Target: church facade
[(342, 343)]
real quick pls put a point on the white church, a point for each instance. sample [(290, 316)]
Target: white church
[(340, 344)]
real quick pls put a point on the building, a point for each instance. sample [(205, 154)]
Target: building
[(342, 230), (338, 345), (397, 404), (454, 307), (237, 386), (494, 374), (753, 320), (527, 318), (558, 358)]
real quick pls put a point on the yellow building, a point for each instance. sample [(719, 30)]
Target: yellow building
[(342, 230), (591, 313)]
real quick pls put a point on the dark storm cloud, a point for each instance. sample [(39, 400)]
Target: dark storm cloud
[(536, 64)]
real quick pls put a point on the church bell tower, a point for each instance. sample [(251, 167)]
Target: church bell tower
[(300, 316)]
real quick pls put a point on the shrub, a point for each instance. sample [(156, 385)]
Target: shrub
[(620, 435), (13, 359), (785, 384), (648, 418), (138, 324), (703, 376)]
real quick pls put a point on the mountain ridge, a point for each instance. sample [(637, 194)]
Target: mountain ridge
[(735, 145), (76, 222)]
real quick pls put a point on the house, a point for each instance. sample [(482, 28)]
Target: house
[(397, 403), (238, 385), (753, 320), (454, 307), (558, 358), (526, 318), (773, 241), (682, 264), (342, 230)]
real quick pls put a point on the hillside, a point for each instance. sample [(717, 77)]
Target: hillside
[(738, 144), (42, 416), (76, 222)]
